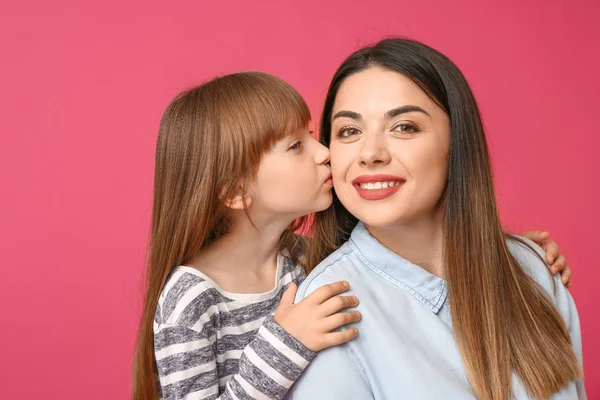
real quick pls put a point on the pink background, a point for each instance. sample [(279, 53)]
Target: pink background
[(83, 87)]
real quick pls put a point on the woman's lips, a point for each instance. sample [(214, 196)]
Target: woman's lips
[(377, 187)]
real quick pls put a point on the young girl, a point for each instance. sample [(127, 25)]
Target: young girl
[(236, 172), (236, 167)]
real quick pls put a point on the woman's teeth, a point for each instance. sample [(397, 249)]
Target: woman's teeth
[(379, 185)]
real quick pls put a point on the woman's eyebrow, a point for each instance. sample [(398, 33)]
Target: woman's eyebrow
[(348, 114), (404, 109), (389, 114)]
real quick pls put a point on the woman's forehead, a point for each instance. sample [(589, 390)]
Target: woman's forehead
[(375, 91)]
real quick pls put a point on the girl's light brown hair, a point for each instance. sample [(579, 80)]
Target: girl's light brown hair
[(502, 320), (211, 140)]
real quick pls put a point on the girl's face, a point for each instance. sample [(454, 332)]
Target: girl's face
[(389, 147), (294, 178)]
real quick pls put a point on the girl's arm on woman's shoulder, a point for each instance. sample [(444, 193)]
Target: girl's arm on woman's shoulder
[(191, 366), (556, 261)]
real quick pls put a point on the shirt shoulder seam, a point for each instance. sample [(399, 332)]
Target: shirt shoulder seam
[(315, 274), (391, 279)]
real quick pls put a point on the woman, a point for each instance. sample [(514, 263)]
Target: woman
[(452, 307)]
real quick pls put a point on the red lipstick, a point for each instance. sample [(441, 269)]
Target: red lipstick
[(377, 187)]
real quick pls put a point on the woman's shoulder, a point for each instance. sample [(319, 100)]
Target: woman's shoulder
[(335, 267), (532, 258)]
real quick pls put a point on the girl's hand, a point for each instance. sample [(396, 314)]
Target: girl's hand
[(557, 262), (312, 320)]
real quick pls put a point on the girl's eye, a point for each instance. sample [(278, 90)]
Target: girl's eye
[(406, 128), (347, 132), (296, 145)]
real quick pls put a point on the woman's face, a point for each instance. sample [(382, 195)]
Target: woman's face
[(389, 147)]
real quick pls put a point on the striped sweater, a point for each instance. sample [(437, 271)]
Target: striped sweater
[(212, 344)]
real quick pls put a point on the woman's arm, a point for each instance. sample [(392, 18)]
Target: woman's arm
[(333, 374), (561, 297)]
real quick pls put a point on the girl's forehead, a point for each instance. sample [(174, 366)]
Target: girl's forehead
[(292, 135)]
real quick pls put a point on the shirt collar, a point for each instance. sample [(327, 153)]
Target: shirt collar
[(431, 290)]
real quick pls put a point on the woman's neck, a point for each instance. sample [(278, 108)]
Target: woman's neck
[(420, 241)]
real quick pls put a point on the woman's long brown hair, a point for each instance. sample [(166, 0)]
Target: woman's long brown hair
[(502, 320), (211, 139)]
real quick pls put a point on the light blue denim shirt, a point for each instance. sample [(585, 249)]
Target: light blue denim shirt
[(406, 348)]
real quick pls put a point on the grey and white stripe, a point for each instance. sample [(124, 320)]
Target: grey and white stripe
[(211, 344)]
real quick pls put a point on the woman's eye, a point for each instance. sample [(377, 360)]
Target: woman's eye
[(406, 128), (347, 132)]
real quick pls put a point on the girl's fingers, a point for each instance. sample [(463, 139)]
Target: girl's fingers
[(336, 304), (327, 291), (559, 265), (537, 236), (566, 277), (335, 338), (340, 319), (551, 249)]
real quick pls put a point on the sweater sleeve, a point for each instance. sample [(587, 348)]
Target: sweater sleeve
[(189, 368)]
